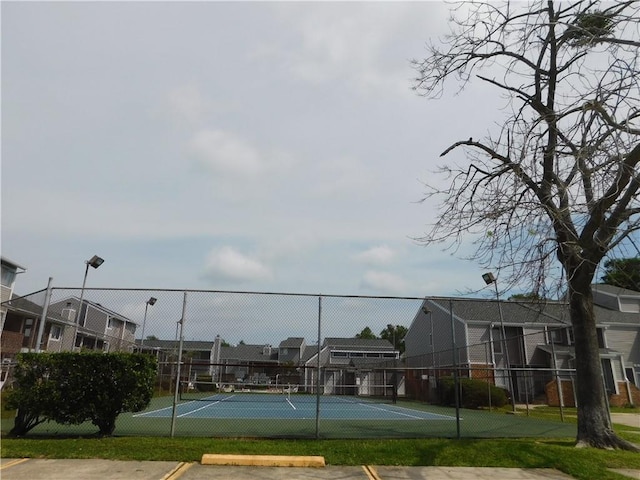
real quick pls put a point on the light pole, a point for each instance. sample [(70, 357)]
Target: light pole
[(151, 302), (489, 278), (94, 262)]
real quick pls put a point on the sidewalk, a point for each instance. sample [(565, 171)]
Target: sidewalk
[(630, 419)]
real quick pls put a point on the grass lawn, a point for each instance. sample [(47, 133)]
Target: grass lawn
[(584, 464)]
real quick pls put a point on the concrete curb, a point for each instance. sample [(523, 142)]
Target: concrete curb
[(262, 460)]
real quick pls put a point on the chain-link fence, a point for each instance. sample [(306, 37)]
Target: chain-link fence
[(255, 364)]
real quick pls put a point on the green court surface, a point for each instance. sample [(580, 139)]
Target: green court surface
[(258, 420)]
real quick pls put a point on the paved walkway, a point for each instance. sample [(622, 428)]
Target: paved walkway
[(630, 419)]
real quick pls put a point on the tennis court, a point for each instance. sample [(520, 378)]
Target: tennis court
[(286, 406), (350, 417)]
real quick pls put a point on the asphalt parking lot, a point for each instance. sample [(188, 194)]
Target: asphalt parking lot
[(56, 469)]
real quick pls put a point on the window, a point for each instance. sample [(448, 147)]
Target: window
[(112, 323), (607, 371), (338, 354), (8, 277), (601, 338), (55, 333), (497, 340), (630, 376), (356, 354), (82, 319), (28, 324), (556, 335)]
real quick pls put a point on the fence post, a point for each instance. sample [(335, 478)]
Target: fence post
[(318, 369), (558, 380), (455, 370), (177, 389), (487, 372), (43, 317)]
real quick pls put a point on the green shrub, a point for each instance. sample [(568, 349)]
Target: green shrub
[(472, 393), (71, 388)]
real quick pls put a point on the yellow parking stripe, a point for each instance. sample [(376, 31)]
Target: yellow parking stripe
[(13, 462), (178, 471), (371, 472)]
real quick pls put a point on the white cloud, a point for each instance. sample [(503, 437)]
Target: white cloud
[(225, 152), (353, 42), (384, 282), (229, 264), (188, 103), (379, 255), (345, 174)]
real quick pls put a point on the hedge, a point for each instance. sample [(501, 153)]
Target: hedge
[(71, 388), (473, 393)]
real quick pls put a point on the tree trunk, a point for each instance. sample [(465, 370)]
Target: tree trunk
[(106, 424), (594, 424), (24, 422)]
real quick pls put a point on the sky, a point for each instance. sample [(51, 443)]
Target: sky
[(268, 147)]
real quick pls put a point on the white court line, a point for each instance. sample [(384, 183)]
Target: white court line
[(202, 408), (197, 409), (159, 410), (391, 411), (182, 404), (444, 417), (396, 408), (292, 405)]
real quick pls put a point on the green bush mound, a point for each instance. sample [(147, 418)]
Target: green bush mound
[(472, 393), (72, 388)]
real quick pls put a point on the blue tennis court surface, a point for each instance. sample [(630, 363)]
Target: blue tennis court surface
[(265, 406)]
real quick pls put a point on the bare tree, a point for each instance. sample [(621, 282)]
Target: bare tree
[(558, 180)]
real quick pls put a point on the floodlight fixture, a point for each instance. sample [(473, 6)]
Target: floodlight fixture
[(95, 261), (151, 301), (488, 278)]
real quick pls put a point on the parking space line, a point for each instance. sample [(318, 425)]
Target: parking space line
[(178, 471), (13, 462), (371, 472)]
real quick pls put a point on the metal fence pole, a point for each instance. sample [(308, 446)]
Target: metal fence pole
[(177, 389), (558, 381), (318, 369), (43, 317), (487, 372), (455, 370)]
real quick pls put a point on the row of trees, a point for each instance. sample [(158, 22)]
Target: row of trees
[(623, 273), (393, 333)]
